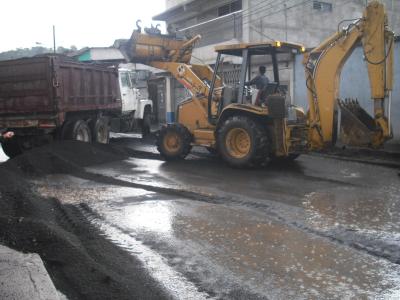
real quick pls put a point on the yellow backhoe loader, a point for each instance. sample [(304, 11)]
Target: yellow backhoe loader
[(221, 117)]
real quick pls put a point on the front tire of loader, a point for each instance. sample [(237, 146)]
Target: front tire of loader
[(174, 142), (242, 142)]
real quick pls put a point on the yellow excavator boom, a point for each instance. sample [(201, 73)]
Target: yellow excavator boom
[(323, 67)]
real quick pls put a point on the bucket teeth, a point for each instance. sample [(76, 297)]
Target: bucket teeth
[(351, 104), (357, 126)]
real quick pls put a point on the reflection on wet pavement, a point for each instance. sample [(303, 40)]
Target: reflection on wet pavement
[(232, 251), (343, 200), (357, 209)]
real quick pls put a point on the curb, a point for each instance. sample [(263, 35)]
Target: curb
[(23, 276), (370, 161)]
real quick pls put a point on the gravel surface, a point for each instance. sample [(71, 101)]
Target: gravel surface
[(82, 263)]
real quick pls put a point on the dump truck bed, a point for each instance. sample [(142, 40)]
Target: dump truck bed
[(48, 87)]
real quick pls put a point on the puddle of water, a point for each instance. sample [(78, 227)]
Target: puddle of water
[(215, 240), (263, 255), (70, 189), (175, 283), (361, 210), (350, 173), (153, 216)]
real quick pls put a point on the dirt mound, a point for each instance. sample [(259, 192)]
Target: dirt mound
[(82, 263), (64, 157)]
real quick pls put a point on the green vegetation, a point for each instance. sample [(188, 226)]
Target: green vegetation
[(37, 50)]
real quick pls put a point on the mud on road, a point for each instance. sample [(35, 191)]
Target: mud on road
[(115, 222), (82, 263)]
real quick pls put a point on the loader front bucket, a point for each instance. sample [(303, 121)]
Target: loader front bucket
[(357, 128)]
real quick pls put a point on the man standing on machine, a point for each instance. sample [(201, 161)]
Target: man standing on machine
[(261, 82)]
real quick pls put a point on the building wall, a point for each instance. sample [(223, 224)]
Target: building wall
[(261, 20), (301, 23), (354, 84), (292, 20)]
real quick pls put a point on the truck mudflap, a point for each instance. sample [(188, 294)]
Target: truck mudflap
[(357, 127)]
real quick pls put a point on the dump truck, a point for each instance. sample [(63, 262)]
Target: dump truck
[(51, 97), (220, 117)]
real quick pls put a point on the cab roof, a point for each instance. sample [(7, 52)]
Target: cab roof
[(260, 48)]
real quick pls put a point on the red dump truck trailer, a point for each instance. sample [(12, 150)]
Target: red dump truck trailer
[(53, 97)]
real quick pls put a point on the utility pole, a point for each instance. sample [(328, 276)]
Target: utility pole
[(393, 14), (54, 39), (286, 29)]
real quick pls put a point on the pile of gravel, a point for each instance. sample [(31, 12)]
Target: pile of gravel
[(80, 261)]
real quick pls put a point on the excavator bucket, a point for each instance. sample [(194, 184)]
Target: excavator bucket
[(357, 126), (147, 47)]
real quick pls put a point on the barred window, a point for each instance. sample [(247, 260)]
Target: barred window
[(322, 6), (229, 8)]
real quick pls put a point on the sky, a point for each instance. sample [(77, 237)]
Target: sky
[(28, 23)]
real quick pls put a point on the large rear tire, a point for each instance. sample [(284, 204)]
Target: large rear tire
[(100, 130), (78, 131), (174, 142), (242, 142)]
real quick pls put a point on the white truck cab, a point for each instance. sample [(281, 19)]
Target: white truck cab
[(136, 107)]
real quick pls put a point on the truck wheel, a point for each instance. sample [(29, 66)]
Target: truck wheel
[(173, 142), (78, 131), (100, 130), (242, 142), (146, 123), (11, 147)]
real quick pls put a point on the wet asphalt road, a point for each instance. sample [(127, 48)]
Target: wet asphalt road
[(316, 228)]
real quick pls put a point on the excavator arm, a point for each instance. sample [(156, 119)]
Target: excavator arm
[(323, 66), (171, 54)]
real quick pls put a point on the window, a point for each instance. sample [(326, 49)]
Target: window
[(322, 6), (125, 79), (229, 8)]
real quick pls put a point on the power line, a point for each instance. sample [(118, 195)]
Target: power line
[(229, 21), (312, 13), (275, 12), (263, 16), (258, 5), (266, 7)]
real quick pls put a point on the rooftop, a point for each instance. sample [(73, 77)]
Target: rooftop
[(99, 54)]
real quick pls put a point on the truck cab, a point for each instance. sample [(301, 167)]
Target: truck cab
[(136, 107)]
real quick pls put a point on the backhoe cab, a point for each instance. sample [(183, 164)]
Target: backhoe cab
[(249, 134)]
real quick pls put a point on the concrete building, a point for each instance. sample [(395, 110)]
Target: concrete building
[(230, 21), (308, 22)]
